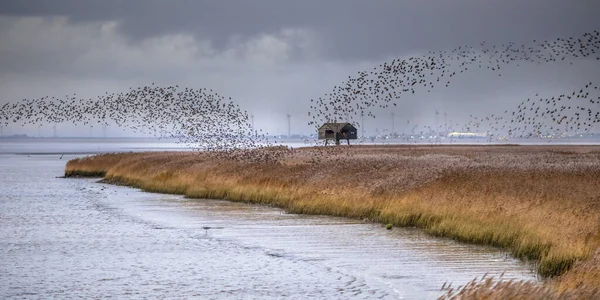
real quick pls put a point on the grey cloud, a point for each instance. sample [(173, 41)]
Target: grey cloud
[(356, 29)]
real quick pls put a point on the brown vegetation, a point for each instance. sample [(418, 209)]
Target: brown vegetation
[(538, 202)]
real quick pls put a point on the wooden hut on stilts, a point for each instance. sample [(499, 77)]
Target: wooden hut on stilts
[(337, 132)]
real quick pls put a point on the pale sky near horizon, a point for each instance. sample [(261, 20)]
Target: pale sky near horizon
[(272, 56)]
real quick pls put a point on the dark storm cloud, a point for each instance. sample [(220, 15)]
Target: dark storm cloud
[(355, 29)]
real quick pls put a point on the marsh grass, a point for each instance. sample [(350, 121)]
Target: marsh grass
[(497, 289), (540, 203)]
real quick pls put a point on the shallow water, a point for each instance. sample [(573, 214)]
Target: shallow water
[(75, 238), (99, 145)]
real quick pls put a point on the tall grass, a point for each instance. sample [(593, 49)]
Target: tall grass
[(494, 289), (538, 202)]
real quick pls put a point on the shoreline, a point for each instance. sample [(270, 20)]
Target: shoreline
[(513, 197)]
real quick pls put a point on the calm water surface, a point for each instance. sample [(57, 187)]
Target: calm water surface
[(75, 238)]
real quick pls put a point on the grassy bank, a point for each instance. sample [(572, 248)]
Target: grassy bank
[(538, 202)]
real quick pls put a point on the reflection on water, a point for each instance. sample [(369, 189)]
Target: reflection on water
[(85, 145), (74, 238)]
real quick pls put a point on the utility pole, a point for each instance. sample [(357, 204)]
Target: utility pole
[(91, 131), (1, 130), (437, 129), (40, 130), (54, 129), (362, 125), (393, 125), (252, 120), (289, 117), (446, 122)]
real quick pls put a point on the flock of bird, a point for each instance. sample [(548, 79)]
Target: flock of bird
[(205, 120), (385, 85), (537, 117), (200, 118)]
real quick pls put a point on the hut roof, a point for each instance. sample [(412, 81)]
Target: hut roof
[(336, 127)]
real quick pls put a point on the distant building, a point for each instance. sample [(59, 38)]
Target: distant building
[(337, 131), (466, 135)]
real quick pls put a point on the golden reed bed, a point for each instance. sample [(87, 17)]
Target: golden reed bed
[(539, 202)]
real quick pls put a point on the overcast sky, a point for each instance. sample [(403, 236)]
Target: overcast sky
[(272, 56)]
